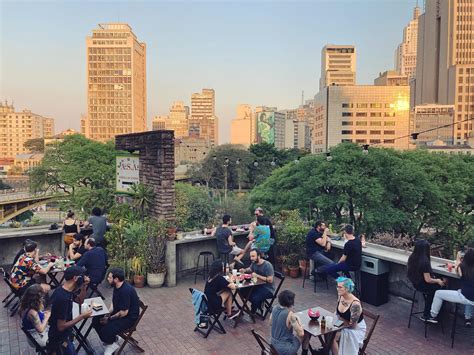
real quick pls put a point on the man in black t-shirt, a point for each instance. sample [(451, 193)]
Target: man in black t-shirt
[(61, 321), (95, 261), (351, 258), (225, 240), (318, 245), (123, 312)]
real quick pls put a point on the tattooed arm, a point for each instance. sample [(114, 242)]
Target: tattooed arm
[(356, 311)]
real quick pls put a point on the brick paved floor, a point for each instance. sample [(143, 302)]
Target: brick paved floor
[(167, 327)]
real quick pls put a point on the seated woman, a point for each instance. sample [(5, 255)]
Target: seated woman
[(34, 317), (77, 248), (465, 296), (284, 321), (259, 238), (420, 274), (349, 309), (217, 290)]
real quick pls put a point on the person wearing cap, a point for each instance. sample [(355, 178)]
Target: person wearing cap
[(77, 248), (26, 267), (61, 320), (95, 261)]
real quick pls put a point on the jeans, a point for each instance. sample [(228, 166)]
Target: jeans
[(321, 259), (108, 332), (258, 295), (429, 292), (451, 296), (333, 269)]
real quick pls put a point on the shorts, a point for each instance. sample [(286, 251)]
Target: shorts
[(236, 250)]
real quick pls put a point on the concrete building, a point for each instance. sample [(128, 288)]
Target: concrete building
[(438, 146), (18, 127), (432, 117), (405, 54), (177, 120), (445, 60), (158, 123), (297, 134), (338, 66), (116, 83), (391, 78), (270, 126), (361, 114), (203, 122), (241, 126), (27, 161)]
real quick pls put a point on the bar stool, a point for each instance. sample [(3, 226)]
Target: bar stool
[(205, 270), (355, 277), (224, 257), (306, 275), (415, 314)]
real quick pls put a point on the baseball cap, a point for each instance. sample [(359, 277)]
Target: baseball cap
[(69, 273)]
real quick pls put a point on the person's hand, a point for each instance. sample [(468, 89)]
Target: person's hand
[(86, 314), (328, 246), (86, 280), (104, 320), (441, 282), (241, 270), (47, 314), (254, 275)]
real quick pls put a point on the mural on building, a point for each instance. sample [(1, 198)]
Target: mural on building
[(266, 127)]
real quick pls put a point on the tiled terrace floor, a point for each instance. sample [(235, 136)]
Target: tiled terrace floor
[(167, 327)]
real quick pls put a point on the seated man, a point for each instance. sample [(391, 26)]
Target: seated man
[(225, 240), (351, 258), (318, 245), (77, 248), (123, 312), (26, 267), (61, 321), (262, 270), (95, 262)]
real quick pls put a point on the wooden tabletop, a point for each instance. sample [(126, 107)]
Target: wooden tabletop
[(314, 327)]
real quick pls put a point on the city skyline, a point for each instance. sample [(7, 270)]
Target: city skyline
[(284, 55)]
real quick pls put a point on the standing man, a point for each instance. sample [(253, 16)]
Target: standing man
[(318, 245), (61, 321), (95, 261), (99, 226), (123, 312), (351, 258), (262, 270)]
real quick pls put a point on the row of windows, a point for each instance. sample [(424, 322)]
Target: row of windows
[(367, 105), (110, 108), (372, 114), (112, 65), (93, 50), (110, 35), (365, 123), (373, 141), (110, 58), (108, 79), (388, 133), (109, 116), (110, 101), (110, 86), (110, 42), (123, 72), (115, 93)]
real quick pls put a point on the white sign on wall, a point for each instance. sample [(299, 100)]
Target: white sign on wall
[(127, 172)]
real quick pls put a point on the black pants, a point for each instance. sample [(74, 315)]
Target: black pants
[(108, 332), (429, 291)]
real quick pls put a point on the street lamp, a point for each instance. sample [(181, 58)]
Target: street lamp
[(226, 165)]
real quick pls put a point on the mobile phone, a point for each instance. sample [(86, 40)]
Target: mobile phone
[(338, 323)]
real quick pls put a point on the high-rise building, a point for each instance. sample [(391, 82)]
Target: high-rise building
[(18, 127), (391, 78), (405, 54), (159, 123), (338, 66), (361, 114), (177, 120), (436, 119), (241, 126), (445, 60), (270, 126), (203, 123), (116, 83)]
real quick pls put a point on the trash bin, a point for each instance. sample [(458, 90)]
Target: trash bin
[(374, 280)]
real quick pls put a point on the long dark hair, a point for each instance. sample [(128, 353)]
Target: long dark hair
[(419, 261), (33, 298), (216, 269), (467, 265)]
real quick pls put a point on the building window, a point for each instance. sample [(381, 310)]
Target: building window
[(389, 123), (361, 123), (347, 114), (375, 132), (346, 140), (347, 105), (361, 114), (389, 141), (376, 123), (361, 105), (346, 123), (361, 140), (346, 132), (376, 114), (361, 132), (375, 141)]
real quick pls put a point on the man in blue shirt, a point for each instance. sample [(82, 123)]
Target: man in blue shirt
[(318, 245), (95, 261), (123, 312)]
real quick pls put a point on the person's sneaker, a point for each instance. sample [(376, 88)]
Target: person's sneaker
[(233, 314), (468, 323), (111, 348), (433, 320)]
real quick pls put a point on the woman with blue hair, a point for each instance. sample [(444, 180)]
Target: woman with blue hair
[(349, 309)]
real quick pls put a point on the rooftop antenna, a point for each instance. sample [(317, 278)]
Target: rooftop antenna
[(302, 97)]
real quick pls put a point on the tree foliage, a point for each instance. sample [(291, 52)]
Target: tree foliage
[(194, 207), (385, 190), (35, 145), (82, 169)]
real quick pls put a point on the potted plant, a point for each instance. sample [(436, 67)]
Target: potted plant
[(291, 262), (155, 254), (138, 269)]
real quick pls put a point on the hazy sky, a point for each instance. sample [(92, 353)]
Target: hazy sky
[(255, 52)]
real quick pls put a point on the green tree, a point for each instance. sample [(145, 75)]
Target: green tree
[(82, 169), (35, 145), (195, 209)]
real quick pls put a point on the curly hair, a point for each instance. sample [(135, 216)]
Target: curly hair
[(32, 298)]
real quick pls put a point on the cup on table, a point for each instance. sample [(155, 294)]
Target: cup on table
[(84, 308), (234, 272), (329, 322)]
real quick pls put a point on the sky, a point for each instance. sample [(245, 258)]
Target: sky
[(254, 52)]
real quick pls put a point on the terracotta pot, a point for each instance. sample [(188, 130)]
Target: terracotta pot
[(172, 233), (285, 270), (139, 281), (130, 281), (294, 271), (155, 280), (303, 264)]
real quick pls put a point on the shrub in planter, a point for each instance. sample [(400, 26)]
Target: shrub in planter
[(138, 268), (155, 254)]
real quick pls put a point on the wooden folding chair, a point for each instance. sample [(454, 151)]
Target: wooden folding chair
[(214, 315), (268, 303), (11, 295), (14, 294), (265, 346), (368, 335), (127, 335), (32, 341)]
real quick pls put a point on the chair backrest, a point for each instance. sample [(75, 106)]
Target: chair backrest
[(368, 335), (143, 308), (264, 345), (32, 341), (280, 276)]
